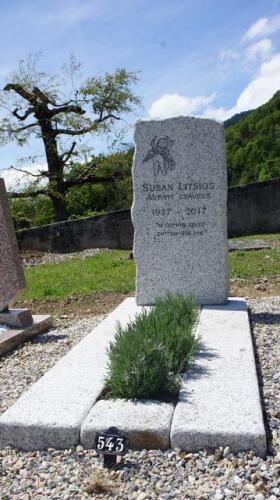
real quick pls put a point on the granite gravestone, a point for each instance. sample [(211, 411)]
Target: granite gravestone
[(12, 277), (16, 325), (179, 210)]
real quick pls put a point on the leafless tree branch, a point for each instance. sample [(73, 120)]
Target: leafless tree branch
[(66, 156), (67, 185), (25, 115), (85, 130), (40, 172), (16, 87), (19, 129), (67, 109)]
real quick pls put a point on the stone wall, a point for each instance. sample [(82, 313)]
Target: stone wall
[(252, 208), (112, 230)]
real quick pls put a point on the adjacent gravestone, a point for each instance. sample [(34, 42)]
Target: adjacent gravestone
[(179, 211), (12, 278), (17, 325)]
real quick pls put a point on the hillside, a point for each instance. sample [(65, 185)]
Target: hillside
[(253, 145), (236, 118)]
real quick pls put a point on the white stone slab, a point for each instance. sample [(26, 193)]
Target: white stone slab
[(13, 337), (145, 423), (51, 412), (179, 209), (219, 400)]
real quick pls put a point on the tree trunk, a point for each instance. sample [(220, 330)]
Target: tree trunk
[(56, 190), (58, 203), (55, 168)]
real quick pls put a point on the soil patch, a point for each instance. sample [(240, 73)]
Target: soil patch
[(64, 311), (253, 288)]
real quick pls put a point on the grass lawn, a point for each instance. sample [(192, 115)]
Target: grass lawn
[(115, 272), (106, 272), (254, 263)]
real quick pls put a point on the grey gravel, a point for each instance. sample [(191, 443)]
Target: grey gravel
[(235, 245), (145, 475), (25, 365), (55, 258)]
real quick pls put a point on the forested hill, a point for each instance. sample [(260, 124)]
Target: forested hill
[(236, 118), (253, 145)]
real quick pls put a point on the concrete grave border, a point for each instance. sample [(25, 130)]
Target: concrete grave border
[(14, 337), (59, 410)]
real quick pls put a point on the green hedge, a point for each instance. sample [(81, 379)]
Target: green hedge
[(148, 356)]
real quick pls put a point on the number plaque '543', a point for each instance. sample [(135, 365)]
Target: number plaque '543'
[(111, 442)]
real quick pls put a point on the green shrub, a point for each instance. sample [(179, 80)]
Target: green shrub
[(147, 357), (21, 222)]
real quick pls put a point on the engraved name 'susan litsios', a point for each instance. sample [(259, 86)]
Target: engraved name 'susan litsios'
[(179, 210)]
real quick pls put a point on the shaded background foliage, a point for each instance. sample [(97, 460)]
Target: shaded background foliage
[(85, 200)]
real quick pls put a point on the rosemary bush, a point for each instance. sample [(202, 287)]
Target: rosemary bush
[(148, 356)]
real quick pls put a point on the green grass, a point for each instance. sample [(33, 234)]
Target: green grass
[(106, 272), (115, 272), (254, 263), (149, 354)]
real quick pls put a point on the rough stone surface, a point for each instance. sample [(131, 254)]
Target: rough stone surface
[(179, 211), (13, 337), (236, 245), (51, 412), (219, 402), (145, 423), (150, 474), (16, 318), (11, 272)]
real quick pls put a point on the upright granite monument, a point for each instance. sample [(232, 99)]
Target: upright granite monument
[(11, 273), (179, 210), (17, 325)]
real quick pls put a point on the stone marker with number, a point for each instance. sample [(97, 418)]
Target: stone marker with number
[(18, 325), (179, 211)]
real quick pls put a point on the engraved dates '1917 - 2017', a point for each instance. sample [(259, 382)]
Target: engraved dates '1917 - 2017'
[(187, 211)]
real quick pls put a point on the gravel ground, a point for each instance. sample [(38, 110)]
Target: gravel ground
[(30, 259), (77, 473), (18, 370)]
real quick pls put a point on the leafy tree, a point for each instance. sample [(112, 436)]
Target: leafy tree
[(82, 200), (270, 169), (31, 211), (37, 107)]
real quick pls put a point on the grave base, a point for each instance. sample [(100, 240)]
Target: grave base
[(16, 318), (145, 423), (13, 337), (219, 402)]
